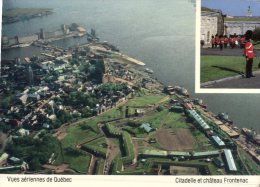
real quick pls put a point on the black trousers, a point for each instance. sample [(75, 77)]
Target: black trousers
[(220, 46), (249, 65)]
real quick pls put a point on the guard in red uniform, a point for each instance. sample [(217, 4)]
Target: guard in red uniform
[(231, 42), (216, 41), (212, 41), (221, 42), (249, 54), (235, 39), (225, 41)]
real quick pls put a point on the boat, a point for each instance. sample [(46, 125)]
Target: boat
[(148, 70), (252, 135), (182, 91), (224, 117), (199, 102)]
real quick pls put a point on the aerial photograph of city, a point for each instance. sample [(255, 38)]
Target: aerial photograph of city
[(94, 87)]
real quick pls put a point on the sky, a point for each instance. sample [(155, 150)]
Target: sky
[(234, 7)]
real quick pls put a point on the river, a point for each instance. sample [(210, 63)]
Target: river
[(159, 33)]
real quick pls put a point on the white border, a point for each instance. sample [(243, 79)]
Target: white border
[(198, 89)]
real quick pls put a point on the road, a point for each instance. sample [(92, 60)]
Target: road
[(225, 52), (239, 82)]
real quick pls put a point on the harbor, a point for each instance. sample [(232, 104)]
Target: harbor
[(42, 38)]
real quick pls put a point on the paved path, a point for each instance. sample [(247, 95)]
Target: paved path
[(225, 52), (237, 82)]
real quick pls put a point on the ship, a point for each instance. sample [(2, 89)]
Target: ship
[(252, 135), (182, 91), (199, 102), (224, 117)]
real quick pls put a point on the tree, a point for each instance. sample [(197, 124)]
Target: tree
[(34, 164), (34, 151), (6, 102)]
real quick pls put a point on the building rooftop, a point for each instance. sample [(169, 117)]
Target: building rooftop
[(230, 160), (178, 153), (218, 141), (147, 127), (206, 153), (199, 120)]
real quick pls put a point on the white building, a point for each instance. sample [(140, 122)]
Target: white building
[(239, 26), (212, 23)]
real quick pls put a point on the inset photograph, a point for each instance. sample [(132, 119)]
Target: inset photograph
[(230, 44)]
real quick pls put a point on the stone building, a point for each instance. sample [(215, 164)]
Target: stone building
[(240, 25), (212, 23)]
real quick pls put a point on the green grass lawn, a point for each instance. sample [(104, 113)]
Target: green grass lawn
[(76, 135), (257, 46), (155, 119), (79, 163), (174, 120), (203, 143), (218, 67), (145, 100)]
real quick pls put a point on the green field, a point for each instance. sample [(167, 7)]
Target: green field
[(143, 100), (257, 46), (218, 67)]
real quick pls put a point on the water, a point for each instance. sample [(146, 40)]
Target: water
[(160, 33)]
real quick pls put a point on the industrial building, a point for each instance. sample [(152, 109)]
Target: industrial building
[(218, 141), (230, 160), (178, 154), (28, 39), (202, 124), (206, 154)]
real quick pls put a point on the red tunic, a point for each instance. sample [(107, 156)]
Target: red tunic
[(249, 50), (217, 40), (225, 40), (222, 40), (242, 40)]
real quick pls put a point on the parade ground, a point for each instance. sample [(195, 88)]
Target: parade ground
[(225, 69)]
